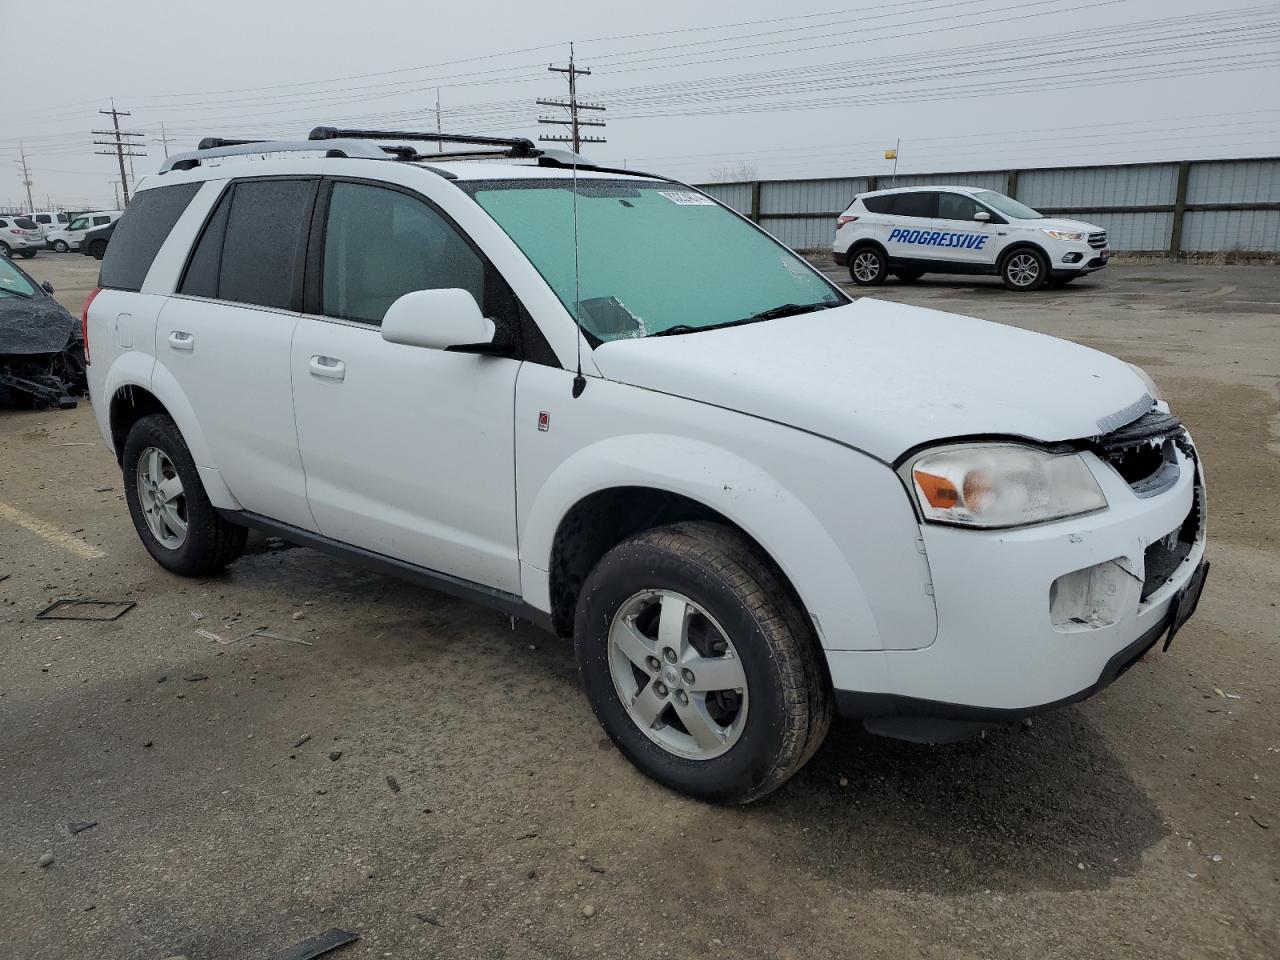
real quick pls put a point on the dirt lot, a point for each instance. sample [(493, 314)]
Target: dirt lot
[(1143, 823)]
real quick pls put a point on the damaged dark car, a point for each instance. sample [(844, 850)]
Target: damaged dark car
[(41, 344)]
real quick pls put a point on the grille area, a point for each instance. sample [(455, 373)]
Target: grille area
[(1164, 556), (1143, 452), (1098, 240)]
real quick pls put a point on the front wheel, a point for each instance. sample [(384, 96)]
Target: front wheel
[(1024, 270), (98, 249), (178, 525), (60, 246), (868, 266), (699, 664), (26, 254)]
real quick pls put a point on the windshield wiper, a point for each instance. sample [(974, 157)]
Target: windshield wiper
[(773, 313)]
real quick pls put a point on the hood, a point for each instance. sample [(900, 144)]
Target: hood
[(41, 325), (885, 377), (1057, 223)]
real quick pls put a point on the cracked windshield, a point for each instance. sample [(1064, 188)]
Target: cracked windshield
[(653, 259)]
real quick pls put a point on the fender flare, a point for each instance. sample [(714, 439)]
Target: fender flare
[(1017, 245), (742, 491)]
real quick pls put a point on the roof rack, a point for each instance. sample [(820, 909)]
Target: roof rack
[(514, 147), (212, 147)]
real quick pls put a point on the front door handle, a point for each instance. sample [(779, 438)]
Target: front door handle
[(330, 368), (181, 340)]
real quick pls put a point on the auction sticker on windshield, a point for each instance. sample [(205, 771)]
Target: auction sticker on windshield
[(687, 199)]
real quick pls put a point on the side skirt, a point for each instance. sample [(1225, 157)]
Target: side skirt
[(508, 603)]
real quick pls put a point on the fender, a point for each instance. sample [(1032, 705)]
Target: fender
[(130, 369), (748, 495)]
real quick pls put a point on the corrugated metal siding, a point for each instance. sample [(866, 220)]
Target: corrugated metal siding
[(809, 196), (1257, 230), (993, 180), (1241, 181), (1099, 186), (1132, 231), (802, 234), (736, 195)]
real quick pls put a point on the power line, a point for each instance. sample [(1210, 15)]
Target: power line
[(124, 146)]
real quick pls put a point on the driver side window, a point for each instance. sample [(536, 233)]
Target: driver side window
[(380, 244), (955, 206)]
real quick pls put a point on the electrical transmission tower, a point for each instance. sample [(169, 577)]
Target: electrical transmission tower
[(121, 142), (574, 122), (26, 177)]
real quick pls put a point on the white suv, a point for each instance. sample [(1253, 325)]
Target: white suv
[(600, 400), (68, 238), (917, 230)]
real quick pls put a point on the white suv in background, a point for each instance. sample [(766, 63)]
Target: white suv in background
[(68, 238), (20, 236), (749, 500), (912, 231)]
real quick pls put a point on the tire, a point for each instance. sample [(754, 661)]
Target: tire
[(736, 602), (868, 266), (908, 276), (208, 543), (1063, 281), (1024, 269), (60, 246), (5, 251), (27, 254), (98, 249)]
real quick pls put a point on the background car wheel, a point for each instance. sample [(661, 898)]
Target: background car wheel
[(171, 512), (868, 266), (908, 276), (26, 254), (60, 246), (699, 663), (5, 251), (98, 249), (1024, 269)]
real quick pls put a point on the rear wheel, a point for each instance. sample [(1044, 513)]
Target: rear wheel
[(1062, 281), (868, 266), (5, 251), (98, 249), (60, 246), (178, 525), (908, 276), (1024, 269), (699, 664), (26, 254)]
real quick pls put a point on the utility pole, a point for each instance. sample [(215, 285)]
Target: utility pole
[(123, 147), (573, 105), (163, 140), (26, 178), (439, 143), (115, 188)]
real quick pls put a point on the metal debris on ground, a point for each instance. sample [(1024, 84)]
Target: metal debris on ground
[(3, 577), (196, 677), (80, 826), (393, 784), (268, 635), (84, 608), (315, 946), (427, 918), (301, 740)]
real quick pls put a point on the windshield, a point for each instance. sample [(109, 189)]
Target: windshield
[(653, 257), (1008, 206), (13, 283)]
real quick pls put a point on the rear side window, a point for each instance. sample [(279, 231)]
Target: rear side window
[(43, 218), (922, 204), (100, 221), (250, 249), (883, 204), (25, 224), (140, 234)]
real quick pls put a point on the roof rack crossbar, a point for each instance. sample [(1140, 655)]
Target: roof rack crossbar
[(515, 146)]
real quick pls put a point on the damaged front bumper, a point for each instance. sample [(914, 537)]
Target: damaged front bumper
[(1033, 618)]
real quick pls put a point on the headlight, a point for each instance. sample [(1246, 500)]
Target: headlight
[(1146, 378), (1064, 234), (1002, 485)]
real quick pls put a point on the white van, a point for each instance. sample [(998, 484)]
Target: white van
[(48, 220), (69, 238)]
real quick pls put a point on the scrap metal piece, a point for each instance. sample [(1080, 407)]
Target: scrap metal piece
[(315, 946), (85, 608)]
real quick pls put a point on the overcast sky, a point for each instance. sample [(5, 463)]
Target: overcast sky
[(698, 91)]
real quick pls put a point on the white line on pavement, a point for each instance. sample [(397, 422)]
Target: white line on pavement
[(50, 533)]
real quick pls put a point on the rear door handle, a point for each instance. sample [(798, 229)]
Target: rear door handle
[(181, 340), (330, 368)]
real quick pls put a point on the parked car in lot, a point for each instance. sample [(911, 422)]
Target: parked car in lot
[(750, 500), (62, 240), (48, 220), (911, 231), (41, 344), (20, 236), (94, 242)]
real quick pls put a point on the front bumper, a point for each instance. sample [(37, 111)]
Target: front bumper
[(1076, 258), (999, 653)]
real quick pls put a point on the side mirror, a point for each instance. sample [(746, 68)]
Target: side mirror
[(982, 215), (47, 287), (439, 320)]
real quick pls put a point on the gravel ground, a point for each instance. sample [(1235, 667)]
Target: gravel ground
[(428, 774)]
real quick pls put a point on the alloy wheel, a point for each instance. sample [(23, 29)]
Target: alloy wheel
[(161, 498), (1023, 270), (678, 674), (866, 266)]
